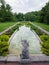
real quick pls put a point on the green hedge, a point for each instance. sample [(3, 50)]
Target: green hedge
[(4, 45), (45, 44)]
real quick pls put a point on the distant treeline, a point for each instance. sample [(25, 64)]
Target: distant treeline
[(6, 14)]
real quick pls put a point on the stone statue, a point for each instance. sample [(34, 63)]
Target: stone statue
[(25, 53)]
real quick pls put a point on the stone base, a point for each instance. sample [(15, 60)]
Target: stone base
[(33, 58)]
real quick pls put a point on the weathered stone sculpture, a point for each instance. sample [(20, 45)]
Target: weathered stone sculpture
[(25, 53)]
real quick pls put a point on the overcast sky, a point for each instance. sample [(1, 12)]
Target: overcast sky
[(24, 6)]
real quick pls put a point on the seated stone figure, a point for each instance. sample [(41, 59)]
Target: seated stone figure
[(25, 53)]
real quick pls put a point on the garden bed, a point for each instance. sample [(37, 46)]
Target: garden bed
[(8, 33)]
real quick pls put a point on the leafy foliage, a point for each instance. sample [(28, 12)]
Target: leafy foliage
[(19, 16), (44, 14), (4, 45), (44, 38), (4, 38), (5, 12), (31, 16), (3, 48), (45, 44)]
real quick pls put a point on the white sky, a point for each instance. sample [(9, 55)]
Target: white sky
[(24, 6)]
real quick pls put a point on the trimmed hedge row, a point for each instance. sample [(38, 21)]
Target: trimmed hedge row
[(4, 45), (45, 44)]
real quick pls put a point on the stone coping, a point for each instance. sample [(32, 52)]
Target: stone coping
[(31, 23), (33, 58)]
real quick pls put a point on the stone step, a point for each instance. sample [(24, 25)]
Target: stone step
[(47, 63)]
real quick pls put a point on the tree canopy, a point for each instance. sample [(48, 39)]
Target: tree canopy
[(44, 14), (6, 14)]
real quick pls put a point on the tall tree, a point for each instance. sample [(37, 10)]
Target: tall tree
[(19, 16), (5, 12), (2, 10), (8, 8), (2, 2), (44, 14)]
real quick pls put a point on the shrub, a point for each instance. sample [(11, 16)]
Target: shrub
[(3, 48), (11, 31), (4, 38), (45, 47), (34, 28), (4, 45), (44, 38), (45, 44)]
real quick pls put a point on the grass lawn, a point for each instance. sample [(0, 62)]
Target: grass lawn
[(44, 26), (5, 25)]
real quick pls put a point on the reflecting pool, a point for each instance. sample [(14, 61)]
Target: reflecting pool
[(24, 33)]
